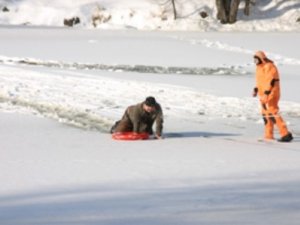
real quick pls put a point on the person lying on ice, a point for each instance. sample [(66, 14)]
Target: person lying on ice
[(268, 90), (140, 118)]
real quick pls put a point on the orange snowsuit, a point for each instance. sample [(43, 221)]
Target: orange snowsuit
[(268, 90)]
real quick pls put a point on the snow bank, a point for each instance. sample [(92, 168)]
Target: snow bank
[(150, 15)]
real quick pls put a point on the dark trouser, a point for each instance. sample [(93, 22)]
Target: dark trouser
[(121, 126)]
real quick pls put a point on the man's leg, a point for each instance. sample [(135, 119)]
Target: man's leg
[(269, 127), (123, 126), (273, 110)]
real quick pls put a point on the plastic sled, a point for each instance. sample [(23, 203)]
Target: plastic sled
[(130, 136)]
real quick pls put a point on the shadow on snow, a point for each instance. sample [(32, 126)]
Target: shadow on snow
[(220, 202), (194, 134)]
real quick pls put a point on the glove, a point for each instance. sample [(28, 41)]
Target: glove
[(157, 136), (254, 93)]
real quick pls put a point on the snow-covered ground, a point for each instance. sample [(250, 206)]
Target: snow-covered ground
[(61, 89), (209, 169), (265, 15)]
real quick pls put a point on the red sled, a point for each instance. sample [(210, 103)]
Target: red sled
[(130, 136)]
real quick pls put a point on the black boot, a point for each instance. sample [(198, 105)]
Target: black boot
[(286, 138)]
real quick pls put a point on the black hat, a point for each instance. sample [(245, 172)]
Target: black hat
[(150, 101)]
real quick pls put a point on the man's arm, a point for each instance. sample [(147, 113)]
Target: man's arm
[(134, 113), (159, 123)]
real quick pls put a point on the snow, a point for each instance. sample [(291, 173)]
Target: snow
[(61, 89), (265, 15)]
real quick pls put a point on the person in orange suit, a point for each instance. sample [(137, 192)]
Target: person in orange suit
[(268, 90)]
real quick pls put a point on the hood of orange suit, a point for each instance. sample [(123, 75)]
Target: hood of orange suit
[(261, 55)]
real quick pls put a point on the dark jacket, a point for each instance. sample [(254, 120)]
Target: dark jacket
[(136, 119)]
